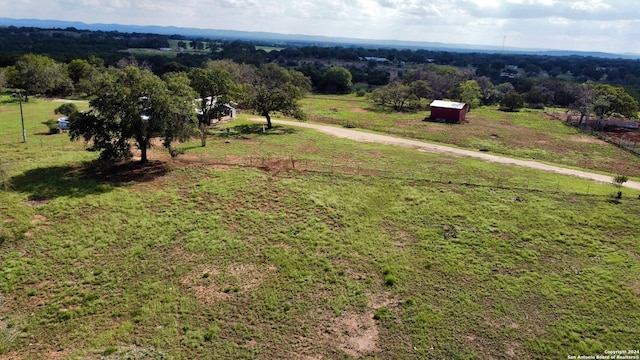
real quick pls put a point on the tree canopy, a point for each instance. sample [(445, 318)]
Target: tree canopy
[(276, 89), (512, 101), (214, 86), (400, 96), (396, 95), (470, 93), (135, 104), (613, 101), (36, 74), (336, 80)]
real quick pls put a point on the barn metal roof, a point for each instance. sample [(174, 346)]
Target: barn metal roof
[(448, 104)]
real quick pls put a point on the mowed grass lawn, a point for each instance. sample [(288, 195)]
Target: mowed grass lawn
[(194, 259)]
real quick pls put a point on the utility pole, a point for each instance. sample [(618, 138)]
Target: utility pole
[(24, 132)]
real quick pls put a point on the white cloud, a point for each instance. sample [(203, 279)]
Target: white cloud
[(605, 25)]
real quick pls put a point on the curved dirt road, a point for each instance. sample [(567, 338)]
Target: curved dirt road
[(423, 146)]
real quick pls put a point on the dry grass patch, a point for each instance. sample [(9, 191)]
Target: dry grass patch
[(635, 287), (585, 139)]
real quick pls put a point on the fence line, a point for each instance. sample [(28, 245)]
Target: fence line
[(277, 164), (595, 128)]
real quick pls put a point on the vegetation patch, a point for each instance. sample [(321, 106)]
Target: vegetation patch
[(364, 251)]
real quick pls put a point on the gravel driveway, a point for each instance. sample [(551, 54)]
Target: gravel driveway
[(423, 146)]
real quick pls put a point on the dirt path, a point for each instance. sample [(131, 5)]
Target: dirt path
[(69, 101), (423, 146)]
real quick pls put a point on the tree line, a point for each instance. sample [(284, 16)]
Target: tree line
[(67, 44), (412, 89), (64, 45)]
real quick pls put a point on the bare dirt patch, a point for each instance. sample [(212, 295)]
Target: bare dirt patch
[(356, 334), (512, 350), (68, 101), (358, 110), (37, 219), (585, 139), (209, 284)]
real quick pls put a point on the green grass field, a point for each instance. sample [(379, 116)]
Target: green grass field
[(529, 134), (362, 251)]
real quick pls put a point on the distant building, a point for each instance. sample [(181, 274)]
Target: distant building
[(448, 111), (374, 58), (510, 71), (212, 102)]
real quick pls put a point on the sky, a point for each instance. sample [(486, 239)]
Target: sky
[(589, 25)]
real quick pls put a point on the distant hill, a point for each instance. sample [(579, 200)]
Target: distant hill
[(299, 38)]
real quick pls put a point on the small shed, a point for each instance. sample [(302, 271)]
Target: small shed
[(448, 111)]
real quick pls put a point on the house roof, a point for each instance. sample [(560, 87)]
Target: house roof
[(448, 104)]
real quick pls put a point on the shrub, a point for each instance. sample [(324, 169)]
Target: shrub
[(64, 315), (110, 350), (175, 152), (410, 302), (52, 125), (212, 333), (618, 181), (381, 313), (66, 109), (390, 280)]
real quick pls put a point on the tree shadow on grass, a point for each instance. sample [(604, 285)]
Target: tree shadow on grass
[(240, 131), (44, 184)]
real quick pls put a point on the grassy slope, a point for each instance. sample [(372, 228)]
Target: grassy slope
[(201, 260)]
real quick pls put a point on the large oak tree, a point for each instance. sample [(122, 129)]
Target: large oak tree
[(276, 89), (134, 104)]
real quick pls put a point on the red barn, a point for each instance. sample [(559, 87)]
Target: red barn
[(448, 111)]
